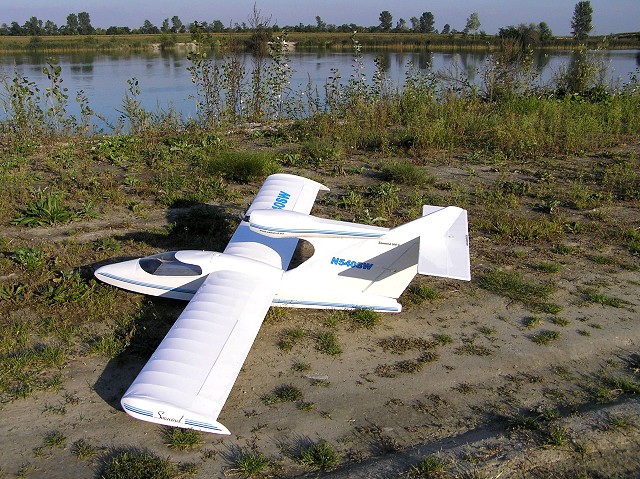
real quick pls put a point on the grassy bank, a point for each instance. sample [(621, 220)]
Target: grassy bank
[(313, 40)]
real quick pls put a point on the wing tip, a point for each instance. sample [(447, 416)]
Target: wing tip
[(169, 415)]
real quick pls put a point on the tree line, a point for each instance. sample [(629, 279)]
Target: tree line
[(80, 24)]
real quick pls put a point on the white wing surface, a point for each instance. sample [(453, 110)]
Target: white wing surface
[(189, 377), (279, 192)]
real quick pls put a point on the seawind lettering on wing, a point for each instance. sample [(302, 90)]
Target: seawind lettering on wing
[(281, 200), (167, 418), (350, 263)]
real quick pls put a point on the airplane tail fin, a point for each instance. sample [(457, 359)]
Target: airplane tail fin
[(373, 264), (444, 241)]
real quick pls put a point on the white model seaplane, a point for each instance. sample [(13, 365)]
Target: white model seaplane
[(187, 380)]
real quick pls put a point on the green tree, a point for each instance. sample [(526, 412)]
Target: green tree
[(581, 22), (72, 24), (50, 28), (176, 25), (84, 24), (415, 24), (401, 26), (148, 27), (15, 29), (386, 20), (446, 29), (33, 26), (321, 26), (545, 32), (217, 26), (427, 21), (473, 23), (165, 26)]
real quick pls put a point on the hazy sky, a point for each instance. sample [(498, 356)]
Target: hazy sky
[(608, 15)]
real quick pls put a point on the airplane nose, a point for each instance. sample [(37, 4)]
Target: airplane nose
[(115, 271)]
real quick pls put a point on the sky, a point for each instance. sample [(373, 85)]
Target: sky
[(608, 15)]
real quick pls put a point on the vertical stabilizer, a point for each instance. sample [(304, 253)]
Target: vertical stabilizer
[(444, 245)]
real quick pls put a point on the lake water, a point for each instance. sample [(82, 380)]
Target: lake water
[(165, 81)]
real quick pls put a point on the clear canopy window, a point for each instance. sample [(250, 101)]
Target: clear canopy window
[(166, 264)]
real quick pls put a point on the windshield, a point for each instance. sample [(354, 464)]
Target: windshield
[(166, 264)]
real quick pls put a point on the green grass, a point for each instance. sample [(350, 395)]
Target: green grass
[(365, 318), (430, 467), (83, 450), (54, 439), (555, 436), (545, 337), (290, 338), (419, 293), (403, 172), (181, 439), (592, 296), (327, 343), (516, 288), (319, 456), (250, 463), (285, 393), (242, 167), (137, 464)]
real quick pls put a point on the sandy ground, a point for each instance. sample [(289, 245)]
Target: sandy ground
[(462, 406)]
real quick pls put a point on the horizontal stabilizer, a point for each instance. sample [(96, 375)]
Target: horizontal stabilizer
[(444, 247)]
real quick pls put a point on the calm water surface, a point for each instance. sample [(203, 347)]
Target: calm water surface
[(166, 83)]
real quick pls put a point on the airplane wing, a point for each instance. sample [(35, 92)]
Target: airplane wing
[(190, 375), (280, 192)]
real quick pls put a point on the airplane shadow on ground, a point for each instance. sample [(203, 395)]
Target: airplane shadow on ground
[(199, 227), (154, 319)]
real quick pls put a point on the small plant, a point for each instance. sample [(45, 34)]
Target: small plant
[(593, 296), (556, 437), (67, 287), (29, 258), (548, 267), (558, 321), (46, 209), (285, 393), (305, 406), (82, 449), (429, 467), (242, 167), (487, 330), (319, 456), (403, 172), (545, 337), (301, 366), (365, 318), (250, 463), (511, 285), (327, 343), (464, 388), (563, 249), (181, 439), (138, 464), (289, 338), (443, 339), (619, 422), (55, 439), (419, 293), (532, 322)]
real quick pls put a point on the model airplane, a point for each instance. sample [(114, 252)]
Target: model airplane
[(189, 377)]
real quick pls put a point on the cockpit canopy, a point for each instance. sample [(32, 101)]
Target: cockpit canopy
[(166, 264)]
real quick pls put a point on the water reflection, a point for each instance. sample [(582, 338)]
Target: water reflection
[(165, 81)]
